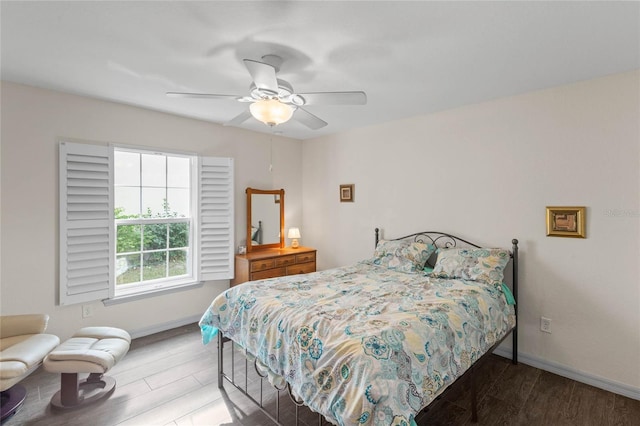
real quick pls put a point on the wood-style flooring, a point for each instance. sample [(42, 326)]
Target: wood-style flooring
[(170, 379)]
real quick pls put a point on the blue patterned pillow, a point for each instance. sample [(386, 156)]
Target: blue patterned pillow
[(401, 255), (485, 265)]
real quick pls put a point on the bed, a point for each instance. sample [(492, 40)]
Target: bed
[(375, 342)]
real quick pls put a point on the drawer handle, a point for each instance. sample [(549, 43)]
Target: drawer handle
[(263, 266)]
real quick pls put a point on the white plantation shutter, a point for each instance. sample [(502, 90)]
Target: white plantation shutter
[(86, 222), (216, 219)]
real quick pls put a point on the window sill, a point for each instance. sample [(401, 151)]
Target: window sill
[(151, 293)]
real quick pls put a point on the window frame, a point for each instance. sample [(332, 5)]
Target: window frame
[(142, 287)]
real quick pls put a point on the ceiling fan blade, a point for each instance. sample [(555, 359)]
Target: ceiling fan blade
[(308, 119), (201, 95), (239, 119), (264, 75), (334, 98)]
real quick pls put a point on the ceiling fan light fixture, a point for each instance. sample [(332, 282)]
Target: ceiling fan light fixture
[(271, 111)]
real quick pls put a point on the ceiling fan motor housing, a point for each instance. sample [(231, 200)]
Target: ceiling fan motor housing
[(285, 93)]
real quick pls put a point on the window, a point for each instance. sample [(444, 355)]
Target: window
[(134, 221), (153, 195)]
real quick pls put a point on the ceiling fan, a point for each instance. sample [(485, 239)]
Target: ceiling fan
[(273, 101)]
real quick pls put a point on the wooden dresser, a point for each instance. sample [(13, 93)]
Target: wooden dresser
[(270, 263)]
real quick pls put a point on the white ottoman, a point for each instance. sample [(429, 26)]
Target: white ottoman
[(92, 350)]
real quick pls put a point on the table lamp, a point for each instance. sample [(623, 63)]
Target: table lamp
[(294, 234)]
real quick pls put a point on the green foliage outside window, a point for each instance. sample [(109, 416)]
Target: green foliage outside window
[(130, 238)]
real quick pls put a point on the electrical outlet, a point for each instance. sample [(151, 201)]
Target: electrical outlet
[(545, 324), (87, 311)]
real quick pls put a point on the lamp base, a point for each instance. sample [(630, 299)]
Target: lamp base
[(294, 243)]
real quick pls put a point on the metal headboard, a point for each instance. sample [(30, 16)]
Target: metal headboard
[(444, 240), (438, 239)]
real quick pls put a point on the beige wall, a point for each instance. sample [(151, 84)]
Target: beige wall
[(33, 120), (486, 172)]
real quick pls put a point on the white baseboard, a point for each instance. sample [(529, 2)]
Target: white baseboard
[(571, 373), (157, 328)]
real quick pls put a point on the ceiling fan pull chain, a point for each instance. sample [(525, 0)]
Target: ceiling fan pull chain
[(271, 152)]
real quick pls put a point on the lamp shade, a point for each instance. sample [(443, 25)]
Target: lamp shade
[(294, 233), (271, 111)]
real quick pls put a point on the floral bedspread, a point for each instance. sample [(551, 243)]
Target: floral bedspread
[(362, 344)]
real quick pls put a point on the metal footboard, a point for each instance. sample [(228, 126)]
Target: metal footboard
[(244, 387), (276, 418)]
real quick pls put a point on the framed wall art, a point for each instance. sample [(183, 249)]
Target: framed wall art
[(566, 222), (346, 192)]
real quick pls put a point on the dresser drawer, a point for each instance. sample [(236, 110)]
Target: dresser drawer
[(301, 268), (261, 265), (285, 260), (306, 257), (269, 273)]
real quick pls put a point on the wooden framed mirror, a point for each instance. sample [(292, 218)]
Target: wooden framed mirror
[(265, 219)]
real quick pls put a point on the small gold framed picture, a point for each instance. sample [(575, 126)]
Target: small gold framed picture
[(346, 192), (566, 222)]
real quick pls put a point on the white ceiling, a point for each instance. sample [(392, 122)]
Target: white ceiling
[(410, 58)]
